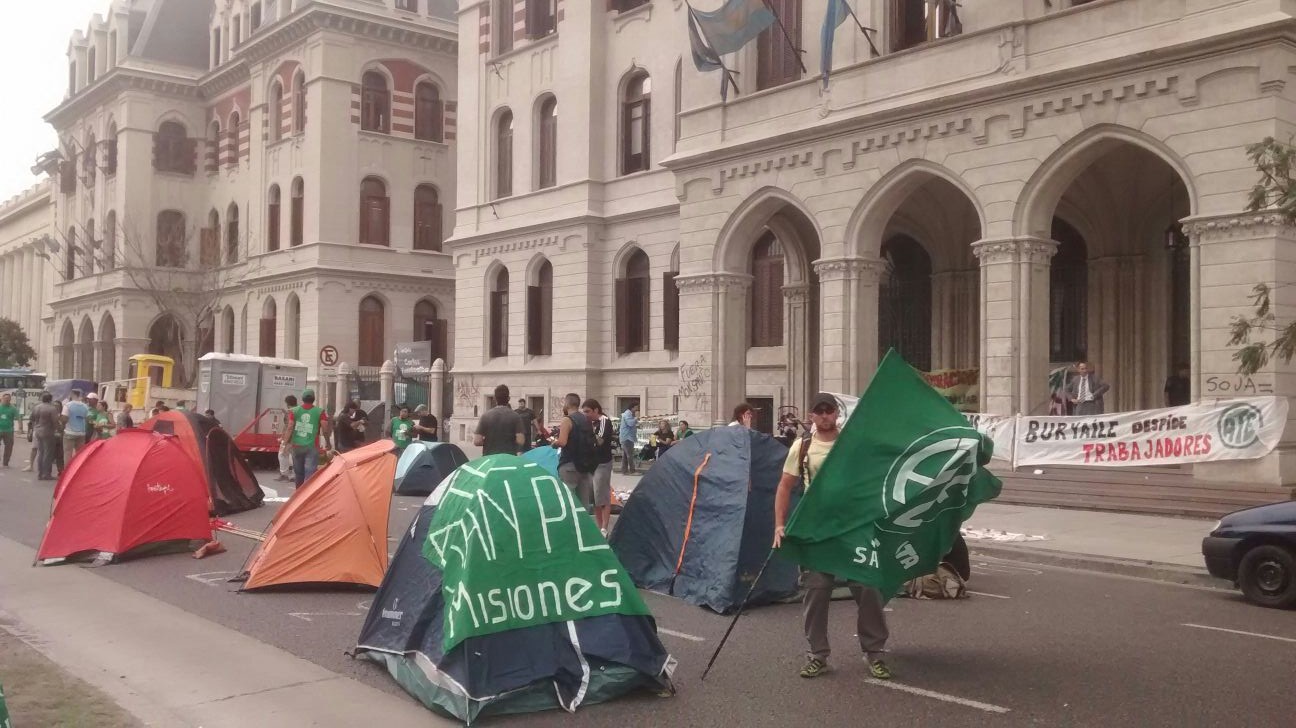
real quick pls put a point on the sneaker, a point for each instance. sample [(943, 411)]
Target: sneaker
[(879, 670), (27, 469), (814, 667)]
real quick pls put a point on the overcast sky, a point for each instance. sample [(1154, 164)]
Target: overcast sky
[(33, 54)]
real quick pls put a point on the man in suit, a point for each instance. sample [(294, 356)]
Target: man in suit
[(1086, 390)]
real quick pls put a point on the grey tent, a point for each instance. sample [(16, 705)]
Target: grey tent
[(556, 665), (700, 523), (424, 465)]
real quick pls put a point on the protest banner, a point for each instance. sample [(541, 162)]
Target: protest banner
[(1237, 429), (906, 471), (517, 550), (958, 386)]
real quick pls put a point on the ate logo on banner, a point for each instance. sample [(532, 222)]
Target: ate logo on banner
[(1240, 425), (929, 478)]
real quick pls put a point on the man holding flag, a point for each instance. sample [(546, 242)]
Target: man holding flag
[(890, 491)]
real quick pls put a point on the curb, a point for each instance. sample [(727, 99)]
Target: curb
[(1170, 573)]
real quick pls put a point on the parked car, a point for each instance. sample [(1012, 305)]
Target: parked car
[(1255, 548)]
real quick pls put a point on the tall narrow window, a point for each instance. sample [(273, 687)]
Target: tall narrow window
[(632, 305), (72, 77), (540, 312), (501, 20), (92, 249), (428, 326), (236, 32), (292, 329), (372, 331), (429, 124), (276, 112), (375, 103), (777, 62), (269, 326), (256, 16), (504, 154), (541, 17), (112, 49), (298, 213), (170, 239), (679, 97), (215, 147), (232, 234), (299, 102), (215, 47), (767, 292), (227, 329), (1068, 295), (635, 123), (110, 241), (427, 219), (670, 310), (548, 147), (70, 261), (499, 314), (904, 301), (375, 211), (209, 245), (173, 151), (235, 131), (272, 218), (91, 69), (90, 162), (110, 151)]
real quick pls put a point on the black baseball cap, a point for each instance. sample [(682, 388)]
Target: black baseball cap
[(823, 399)]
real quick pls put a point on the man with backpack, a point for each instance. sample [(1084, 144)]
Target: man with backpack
[(579, 458)]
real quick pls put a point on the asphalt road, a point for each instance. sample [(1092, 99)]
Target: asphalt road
[(1035, 646)]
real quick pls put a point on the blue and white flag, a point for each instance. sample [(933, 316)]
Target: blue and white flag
[(734, 24), (834, 16), (705, 57)]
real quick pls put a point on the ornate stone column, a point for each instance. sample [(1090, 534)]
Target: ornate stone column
[(848, 329), (1014, 324), (713, 344), (801, 355), (1230, 254)]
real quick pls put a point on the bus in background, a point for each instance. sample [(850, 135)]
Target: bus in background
[(25, 385)]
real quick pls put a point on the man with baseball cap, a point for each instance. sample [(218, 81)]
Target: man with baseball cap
[(805, 459), (305, 425)]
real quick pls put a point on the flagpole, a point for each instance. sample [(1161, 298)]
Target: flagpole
[(864, 31), (786, 35), (728, 75), (741, 608)]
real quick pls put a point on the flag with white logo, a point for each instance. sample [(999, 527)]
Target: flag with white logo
[(906, 471)]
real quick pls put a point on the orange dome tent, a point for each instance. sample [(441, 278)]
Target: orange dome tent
[(334, 528)]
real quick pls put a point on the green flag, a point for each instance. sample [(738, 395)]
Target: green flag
[(4, 712), (905, 473), (516, 550)]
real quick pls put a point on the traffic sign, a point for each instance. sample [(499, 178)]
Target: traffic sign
[(328, 374), (329, 356)]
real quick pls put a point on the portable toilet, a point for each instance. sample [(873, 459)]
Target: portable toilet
[(229, 385)]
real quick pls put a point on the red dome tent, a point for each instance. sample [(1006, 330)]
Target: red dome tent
[(230, 482), (135, 489)]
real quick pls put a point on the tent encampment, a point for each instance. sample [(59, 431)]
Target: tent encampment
[(230, 483), (333, 530), (700, 523), (424, 465), (134, 490), (538, 652)]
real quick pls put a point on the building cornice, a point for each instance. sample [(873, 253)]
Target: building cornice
[(113, 84), (1237, 226), (30, 198)]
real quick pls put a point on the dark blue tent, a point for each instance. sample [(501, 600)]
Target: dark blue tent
[(700, 523), (559, 665), (424, 465)]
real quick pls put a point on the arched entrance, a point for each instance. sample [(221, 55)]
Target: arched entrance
[(107, 349), (770, 343), (1119, 281), (85, 351), (166, 338), (67, 352)]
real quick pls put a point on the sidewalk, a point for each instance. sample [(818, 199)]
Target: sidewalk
[(172, 668)]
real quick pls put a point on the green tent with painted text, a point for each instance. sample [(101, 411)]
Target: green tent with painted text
[(907, 470)]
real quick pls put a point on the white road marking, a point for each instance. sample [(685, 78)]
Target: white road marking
[(306, 616), (1009, 569), (987, 707), (211, 578), (985, 594), (681, 635), (1238, 631)]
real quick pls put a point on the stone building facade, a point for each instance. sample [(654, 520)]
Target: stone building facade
[(26, 278), (1039, 183), (288, 165)]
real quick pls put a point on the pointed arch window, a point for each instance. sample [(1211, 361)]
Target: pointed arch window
[(372, 330), (209, 245), (429, 326), (504, 154), (173, 150), (298, 213), (170, 239), (375, 212), (427, 218), (499, 314), (110, 241), (90, 161), (540, 312), (767, 291), (70, 260), (299, 102), (548, 147), (232, 234), (215, 147), (292, 331), (632, 305), (110, 151), (375, 103), (429, 113), (269, 326), (276, 112), (235, 129), (636, 126), (272, 218)]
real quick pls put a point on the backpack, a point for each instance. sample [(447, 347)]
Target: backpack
[(581, 449), (944, 584)]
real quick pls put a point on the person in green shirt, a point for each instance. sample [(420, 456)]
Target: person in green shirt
[(683, 431), (401, 430), (305, 425), (9, 414), (102, 421)]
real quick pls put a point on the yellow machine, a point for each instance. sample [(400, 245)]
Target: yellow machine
[(149, 379)]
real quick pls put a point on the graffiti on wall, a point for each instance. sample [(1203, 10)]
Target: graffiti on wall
[(467, 392), (695, 383)]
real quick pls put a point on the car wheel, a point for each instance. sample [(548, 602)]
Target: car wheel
[(1267, 576)]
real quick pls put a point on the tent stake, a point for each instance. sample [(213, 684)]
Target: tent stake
[(741, 608)]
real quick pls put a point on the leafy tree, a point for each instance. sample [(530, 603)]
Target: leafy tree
[(15, 349), (1275, 192)]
